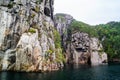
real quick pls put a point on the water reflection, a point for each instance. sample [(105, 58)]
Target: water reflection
[(99, 72), (71, 72), (3, 76)]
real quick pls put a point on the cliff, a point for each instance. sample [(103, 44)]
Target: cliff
[(27, 42), (62, 23), (31, 38), (79, 46)]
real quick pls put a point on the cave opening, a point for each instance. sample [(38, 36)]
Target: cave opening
[(47, 11), (89, 61), (80, 50)]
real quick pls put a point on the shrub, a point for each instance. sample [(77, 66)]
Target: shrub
[(32, 30), (49, 51), (32, 15), (37, 9), (57, 39), (59, 56), (39, 1), (10, 5)]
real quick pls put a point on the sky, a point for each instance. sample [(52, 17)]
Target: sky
[(90, 11)]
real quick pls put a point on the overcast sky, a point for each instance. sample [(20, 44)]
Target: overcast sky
[(90, 11)]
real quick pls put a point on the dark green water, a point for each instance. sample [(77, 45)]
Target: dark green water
[(106, 72)]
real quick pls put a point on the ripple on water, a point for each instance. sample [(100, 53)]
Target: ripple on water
[(110, 72)]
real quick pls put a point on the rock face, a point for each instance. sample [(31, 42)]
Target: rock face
[(98, 56), (85, 50), (62, 23), (26, 36), (79, 48)]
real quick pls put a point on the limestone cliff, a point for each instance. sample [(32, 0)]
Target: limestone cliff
[(27, 42), (62, 23), (78, 46)]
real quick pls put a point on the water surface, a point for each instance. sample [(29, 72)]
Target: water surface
[(106, 72)]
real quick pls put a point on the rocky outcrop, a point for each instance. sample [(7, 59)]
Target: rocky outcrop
[(85, 50), (26, 36), (62, 23), (78, 46), (98, 56)]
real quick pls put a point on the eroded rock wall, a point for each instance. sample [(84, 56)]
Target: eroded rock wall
[(80, 48), (26, 36), (86, 50), (98, 56)]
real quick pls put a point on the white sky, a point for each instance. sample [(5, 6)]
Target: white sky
[(90, 11)]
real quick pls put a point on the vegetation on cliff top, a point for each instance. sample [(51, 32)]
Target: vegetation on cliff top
[(82, 27), (109, 35)]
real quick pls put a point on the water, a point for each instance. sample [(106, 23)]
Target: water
[(110, 72)]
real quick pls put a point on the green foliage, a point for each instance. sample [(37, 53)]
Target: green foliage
[(10, 5), (48, 54), (39, 1), (49, 51), (57, 39), (100, 50), (37, 9), (32, 15), (77, 26), (109, 34), (32, 30), (59, 56)]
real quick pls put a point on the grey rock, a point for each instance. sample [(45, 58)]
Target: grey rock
[(26, 36), (98, 56), (62, 23), (86, 50)]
